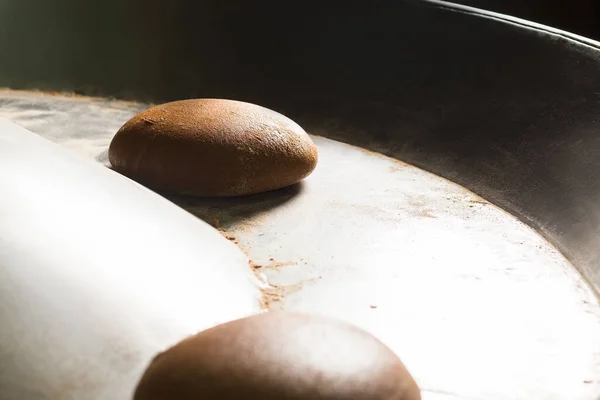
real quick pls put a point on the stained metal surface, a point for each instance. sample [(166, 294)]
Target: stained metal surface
[(478, 305)]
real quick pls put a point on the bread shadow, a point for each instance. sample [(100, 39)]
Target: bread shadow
[(102, 158), (224, 212)]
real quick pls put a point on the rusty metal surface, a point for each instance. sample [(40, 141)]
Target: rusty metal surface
[(477, 304)]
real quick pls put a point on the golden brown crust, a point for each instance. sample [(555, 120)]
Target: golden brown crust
[(278, 356), (212, 147)]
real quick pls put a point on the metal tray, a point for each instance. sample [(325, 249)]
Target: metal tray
[(454, 211)]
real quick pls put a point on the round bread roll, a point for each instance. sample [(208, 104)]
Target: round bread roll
[(212, 147), (278, 356)]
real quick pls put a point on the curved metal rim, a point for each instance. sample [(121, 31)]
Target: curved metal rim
[(508, 19)]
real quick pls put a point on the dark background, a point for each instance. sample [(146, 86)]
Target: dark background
[(165, 49)]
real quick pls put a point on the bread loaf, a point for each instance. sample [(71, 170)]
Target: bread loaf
[(278, 356), (212, 147)]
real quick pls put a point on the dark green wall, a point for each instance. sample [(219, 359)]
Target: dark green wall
[(166, 49), (68, 44), (145, 49)]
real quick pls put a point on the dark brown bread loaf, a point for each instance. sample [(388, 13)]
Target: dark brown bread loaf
[(278, 356), (212, 147)]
